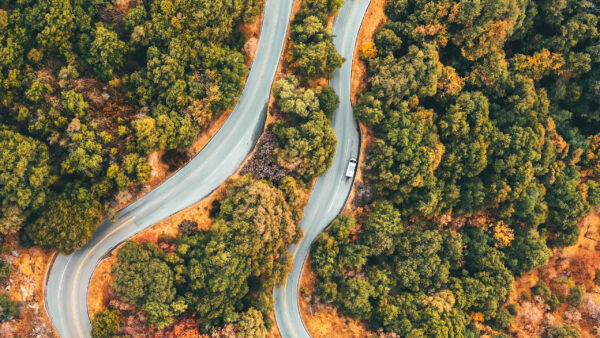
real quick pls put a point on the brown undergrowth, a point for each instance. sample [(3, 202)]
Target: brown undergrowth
[(572, 265), (374, 18), (25, 285), (325, 320)]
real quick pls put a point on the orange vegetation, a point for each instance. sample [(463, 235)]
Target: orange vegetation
[(324, 320), (577, 264), (26, 286), (374, 18)]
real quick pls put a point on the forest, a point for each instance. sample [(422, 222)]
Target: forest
[(479, 110), (90, 88), (224, 277)]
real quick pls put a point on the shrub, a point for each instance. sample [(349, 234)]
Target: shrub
[(105, 324), (576, 294), (8, 308)]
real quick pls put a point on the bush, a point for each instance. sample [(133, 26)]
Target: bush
[(542, 290), (553, 302), (502, 320), (188, 227), (564, 331), (8, 308), (576, 295), (4, 271), (597, 277), (512, 309), (105, 324)]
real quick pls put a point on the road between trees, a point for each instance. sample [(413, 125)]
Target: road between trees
[(69, 276), (332, 189)]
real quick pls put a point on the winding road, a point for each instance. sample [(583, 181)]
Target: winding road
[(69, 276), (332, 189)]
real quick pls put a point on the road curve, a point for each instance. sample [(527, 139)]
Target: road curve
[(332, 189), (69, 276)]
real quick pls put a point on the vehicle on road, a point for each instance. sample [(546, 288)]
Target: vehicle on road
[(351, 168)]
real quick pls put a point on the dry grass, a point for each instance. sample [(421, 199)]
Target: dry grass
[(374, 18), (252, 32), (26, 286)]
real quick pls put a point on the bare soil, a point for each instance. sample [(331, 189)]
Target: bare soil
[(25, 285)]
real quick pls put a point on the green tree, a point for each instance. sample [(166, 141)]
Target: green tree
[(235, 265), (8, 308), (564, 331), (143, 277), (25, 177), (4, 271), (106, 52), (312, 52), (306, 140), (105, 324), (353, 298), (251, 324), (65, 225), (576, 295)]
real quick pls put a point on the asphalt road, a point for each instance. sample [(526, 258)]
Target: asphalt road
[(332, 189), (69, 276)]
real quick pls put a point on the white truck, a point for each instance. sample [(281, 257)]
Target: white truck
[(351, 168)]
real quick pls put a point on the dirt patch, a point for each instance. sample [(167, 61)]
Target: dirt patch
[(374, 18), (25, 285), (324, 320), (261, 164)]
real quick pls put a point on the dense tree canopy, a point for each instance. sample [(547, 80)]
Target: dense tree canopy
[(218, 274), (312, 54), (105, 324), (464, 114), (424, 280), (89, 88), (67, 223), (485, 112), (307, 141), (25, 177)]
